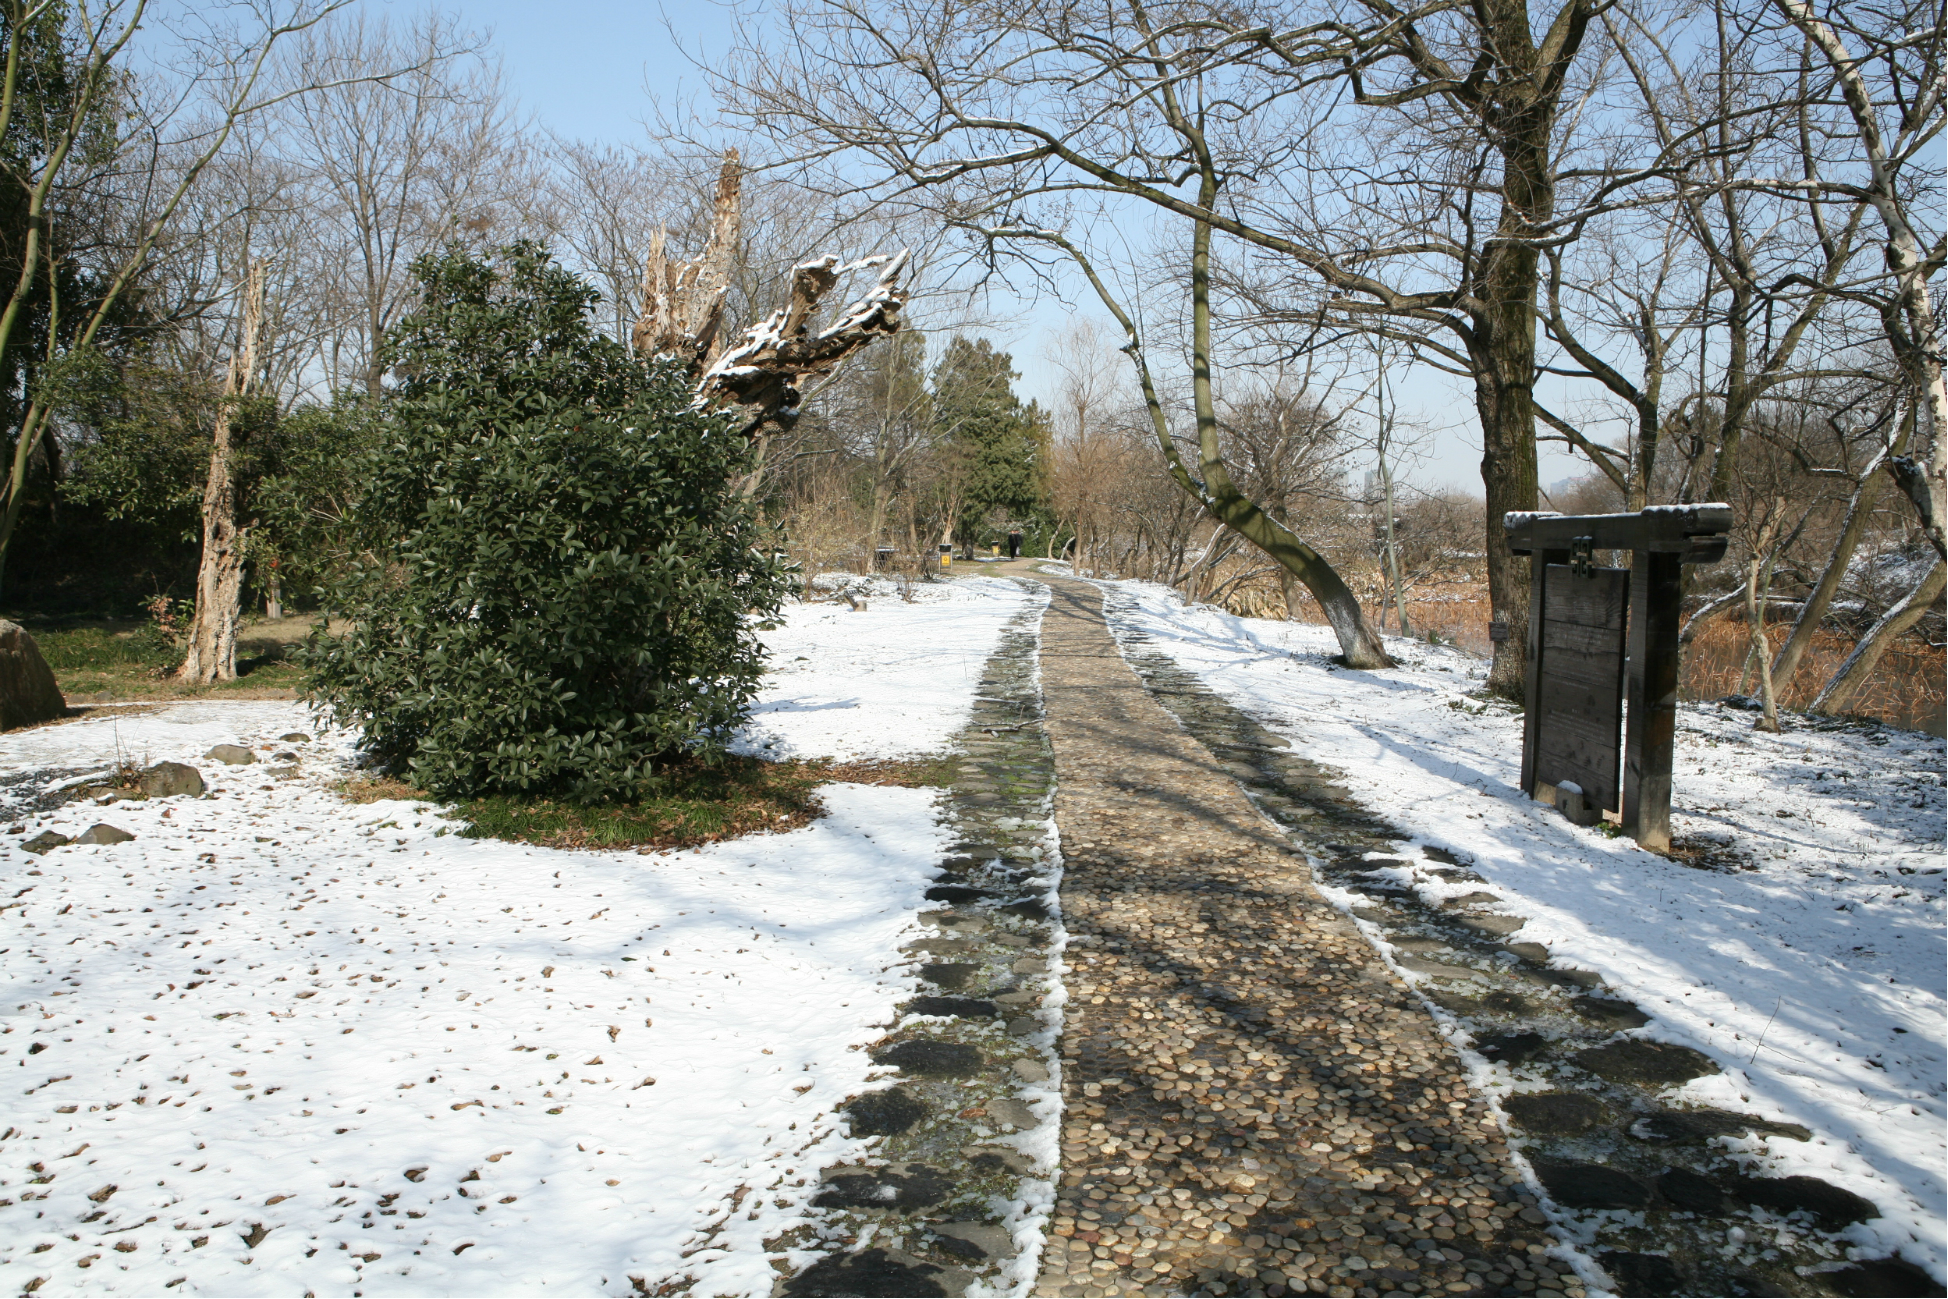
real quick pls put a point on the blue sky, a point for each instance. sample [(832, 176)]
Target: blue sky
[(588, 68)]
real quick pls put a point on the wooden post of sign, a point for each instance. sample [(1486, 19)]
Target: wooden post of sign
[(1539, 562), (1650, 696)]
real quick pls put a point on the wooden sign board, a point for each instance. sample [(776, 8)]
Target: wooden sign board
[(1594, 670), (1579, 700)]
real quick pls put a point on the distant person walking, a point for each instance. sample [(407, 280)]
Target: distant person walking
[(1014, 543)]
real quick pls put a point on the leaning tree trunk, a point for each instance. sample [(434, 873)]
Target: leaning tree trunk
[(212, 653), (1839, 692)]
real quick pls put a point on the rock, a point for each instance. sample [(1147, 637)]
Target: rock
[(955, 893), (1609, 1012), (945, 947), (1029, 965), (897, 1186), (1028, 909), (1422, 946), (1698, 1126), (1494, 924), (958, 1007), (1011, 1113), (869, 1274), (1891, 1278), (1024, 1027), (1577, 1185), (1555, 1114), (295, 737), (234, 754), (949, 976), (102, 832), (1528, 951), (884, 1113), (977, 1240), (1642, 1274), (995, 1159), (1831, 1206), (1508, 1003), (169, 779), (1033, 1071), (1434, 969), (1511, 1048), (28, 692), (1015, 998), (1441, 855), (1692, 1192), (46, 841), (1476, 899), (1646, 1064), (927, 1057)]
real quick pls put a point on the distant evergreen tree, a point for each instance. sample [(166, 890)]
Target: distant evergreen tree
[(998, 442)]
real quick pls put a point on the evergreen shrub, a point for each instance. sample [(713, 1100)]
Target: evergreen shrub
[(560, 589)]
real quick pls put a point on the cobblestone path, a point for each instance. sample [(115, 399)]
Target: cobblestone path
[(1255, 1104)]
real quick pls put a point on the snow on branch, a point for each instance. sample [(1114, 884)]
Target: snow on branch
[(683, 311)]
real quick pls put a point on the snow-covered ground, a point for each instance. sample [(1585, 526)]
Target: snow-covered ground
[(1816, 978), (891, 682), (281, 1043)]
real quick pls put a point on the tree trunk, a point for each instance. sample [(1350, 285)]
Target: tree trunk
[(212, 653), (1758, 573), (1839, 692)]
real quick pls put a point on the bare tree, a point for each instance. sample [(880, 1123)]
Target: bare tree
[(186, 126), (401, 161)]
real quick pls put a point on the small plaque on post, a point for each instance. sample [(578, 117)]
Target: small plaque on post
[(1498, 632)]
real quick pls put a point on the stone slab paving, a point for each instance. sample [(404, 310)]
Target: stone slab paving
[(1254, 1103)]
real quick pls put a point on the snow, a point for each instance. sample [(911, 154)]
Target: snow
[(1816, 979), (282, 1042), (893, 682)]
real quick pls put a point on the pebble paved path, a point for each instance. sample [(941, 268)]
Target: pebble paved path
[(1255, 1104)]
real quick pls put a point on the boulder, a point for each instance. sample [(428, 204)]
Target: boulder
[(28, 693), (47, 841), (234, 754), (102, 832), (168, 779)]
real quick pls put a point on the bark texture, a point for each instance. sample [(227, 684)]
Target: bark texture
[(212, 649)]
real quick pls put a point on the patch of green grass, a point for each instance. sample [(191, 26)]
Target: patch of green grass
[(105, 648), (700, 804), (131, 660)]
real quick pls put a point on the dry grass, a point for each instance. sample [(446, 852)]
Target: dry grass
[(1907, 687)]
